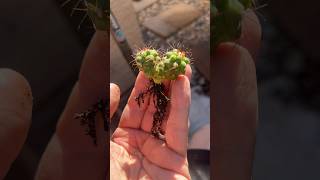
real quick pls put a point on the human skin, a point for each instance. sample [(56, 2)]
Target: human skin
[(235, 103), (70, 154), (134, 152), (15, 116), (250, 40), (64, 155)]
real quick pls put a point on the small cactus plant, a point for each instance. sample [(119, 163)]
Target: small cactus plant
[(159, 68), (97, 10), (226, 16)]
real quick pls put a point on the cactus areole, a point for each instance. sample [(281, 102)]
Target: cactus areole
[(159, 68), (226, 16)]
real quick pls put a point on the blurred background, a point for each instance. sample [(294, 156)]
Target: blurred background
[(288, 144)]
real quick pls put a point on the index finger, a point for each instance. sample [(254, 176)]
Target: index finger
[(15, 116), (133, 112), (177, 124), (235, 108)]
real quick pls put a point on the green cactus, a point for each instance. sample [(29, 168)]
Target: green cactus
[(226, 16), (97, 11), (158, 68)]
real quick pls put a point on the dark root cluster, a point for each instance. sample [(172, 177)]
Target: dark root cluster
[(88, 118), (160, 100)]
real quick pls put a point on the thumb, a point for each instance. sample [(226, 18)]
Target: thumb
[(15, 116), (114, 98)]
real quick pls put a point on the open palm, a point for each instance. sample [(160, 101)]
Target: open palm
[(135, 153)]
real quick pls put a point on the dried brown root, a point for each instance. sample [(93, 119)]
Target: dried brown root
[(88, 119), (160, 100)]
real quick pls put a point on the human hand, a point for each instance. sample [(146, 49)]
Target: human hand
[(134, 152), (235, 103), (70, 153), (15, 116)]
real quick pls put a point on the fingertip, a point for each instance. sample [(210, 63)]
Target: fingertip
[(181, 86), (141, 80), (231, 52), (114, 98), (188, 72), (15, 116), (114, 90), (16, 91), (181, 92)]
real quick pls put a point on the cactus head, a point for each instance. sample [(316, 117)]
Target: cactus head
[(97, 11), (226, 18), (158, 68)]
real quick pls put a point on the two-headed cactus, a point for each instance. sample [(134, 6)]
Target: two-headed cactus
[(226, 16), (160, 68)]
